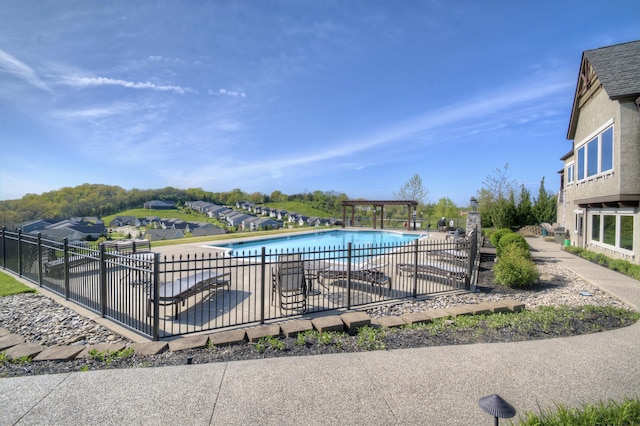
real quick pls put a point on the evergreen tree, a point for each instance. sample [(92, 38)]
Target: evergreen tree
[(544, 208), (525, 208)]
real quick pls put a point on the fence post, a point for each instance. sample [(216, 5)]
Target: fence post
[(65, 254), (4, 250), (473, 253), (19, 252), (349, 275), (262, 284), (156, 301), (415, 268), (39, 257), (103, 281)]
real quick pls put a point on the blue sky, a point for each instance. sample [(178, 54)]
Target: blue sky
[(349, 96)]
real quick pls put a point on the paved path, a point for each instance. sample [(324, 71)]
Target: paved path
[(435, 385)]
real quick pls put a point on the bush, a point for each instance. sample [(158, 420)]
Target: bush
[(515, 269), (497, 235), (512, 239)]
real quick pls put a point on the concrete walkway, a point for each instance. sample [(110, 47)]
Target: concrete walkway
[(435, 385)]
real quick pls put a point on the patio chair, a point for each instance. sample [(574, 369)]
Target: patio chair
[(439, 269), (367, 272), (290, 283), (179, 290)]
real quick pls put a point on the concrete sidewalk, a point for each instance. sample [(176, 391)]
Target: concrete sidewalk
[(436, 385)]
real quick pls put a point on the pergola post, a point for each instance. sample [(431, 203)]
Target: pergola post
[(374, 216)]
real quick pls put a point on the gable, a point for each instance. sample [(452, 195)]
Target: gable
[(615, 69)]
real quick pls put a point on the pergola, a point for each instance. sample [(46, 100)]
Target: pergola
[(411, 206)]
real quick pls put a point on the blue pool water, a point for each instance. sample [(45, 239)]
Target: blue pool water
[(329, 239)]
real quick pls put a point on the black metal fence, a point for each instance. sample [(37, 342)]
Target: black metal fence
[(161, 296)]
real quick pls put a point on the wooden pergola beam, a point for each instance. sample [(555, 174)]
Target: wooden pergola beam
[(411, 205)]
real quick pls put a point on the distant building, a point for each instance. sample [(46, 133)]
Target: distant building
[(158, 205)]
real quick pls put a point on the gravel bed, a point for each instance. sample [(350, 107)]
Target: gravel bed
[(41, 320)]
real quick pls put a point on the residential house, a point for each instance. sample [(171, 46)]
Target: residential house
[(60, 234), (318, 221), (260, 223), (207, 231), (82, 229), (235, 218), (159, 205), (279, 214), (124, 221), (599, 199), (217, 211), (36, 225), (163, 234)]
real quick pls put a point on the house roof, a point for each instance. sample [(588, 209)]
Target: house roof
[(616, 67)]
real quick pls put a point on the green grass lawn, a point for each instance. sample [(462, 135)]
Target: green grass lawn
[(9, 286)]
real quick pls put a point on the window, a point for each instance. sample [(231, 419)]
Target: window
[(570, 171), (606, 150), (613, 229), (592, 158), (626, 232), (581, 163), (596, 155), (595, 227), (609, 230)]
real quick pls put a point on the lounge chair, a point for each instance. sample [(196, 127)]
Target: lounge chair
[(440, 269), (366, 272), (55, 268), (453, 255), (290, 283), (179, 290)]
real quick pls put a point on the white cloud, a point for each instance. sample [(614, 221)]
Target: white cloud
[(92, 113), (11, 65), (228, 93), (103, 81)]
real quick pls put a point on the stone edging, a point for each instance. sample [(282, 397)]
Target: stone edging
[(14, 346)]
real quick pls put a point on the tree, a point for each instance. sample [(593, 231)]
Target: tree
[(545, 207), (503, 212), (524, 210), (278, 197), (492, 199), (445, 208), (499, 184), (413, 189)]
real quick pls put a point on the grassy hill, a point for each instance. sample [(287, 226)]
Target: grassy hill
[(299, 207)]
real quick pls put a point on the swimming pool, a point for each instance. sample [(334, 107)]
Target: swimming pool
[(316, 240)]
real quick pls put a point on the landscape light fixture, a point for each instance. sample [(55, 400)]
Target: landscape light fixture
[(497, 407), (474, 203)]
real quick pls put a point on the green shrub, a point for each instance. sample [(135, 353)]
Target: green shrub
[(488, 232), (515, 269), (512, 239), (618, 265), (497, 235), (623, 266)]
